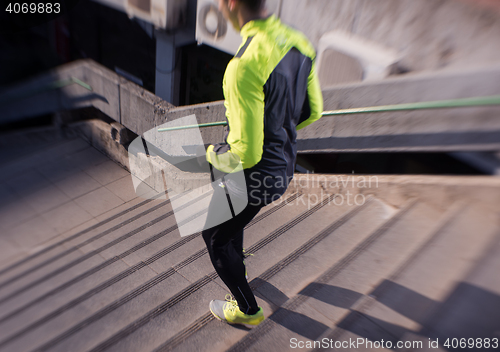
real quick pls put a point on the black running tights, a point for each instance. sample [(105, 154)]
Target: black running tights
[(225, 246)]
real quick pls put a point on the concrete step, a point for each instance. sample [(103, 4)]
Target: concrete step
[(181, 309), (266, 267), (95, 278), (66, 296), (473, 308), (154, 332), (21, 143), (61, 303), (426, 279), (40, 157), (150, 290), (324, 302), (52, 194), (287, 277), (122, 221), (96, 256), (96, 275), (468, 318)]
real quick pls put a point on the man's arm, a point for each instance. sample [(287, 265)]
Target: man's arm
[(245, 114), (315, 100)]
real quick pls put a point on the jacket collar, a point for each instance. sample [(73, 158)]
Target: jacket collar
[(251, 28)]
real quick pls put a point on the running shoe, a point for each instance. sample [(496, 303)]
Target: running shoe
[(229, 312)]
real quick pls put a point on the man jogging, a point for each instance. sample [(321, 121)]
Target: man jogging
[(271, 90)]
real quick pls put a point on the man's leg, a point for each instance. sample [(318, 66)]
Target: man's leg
[(238, 243), (228, 260)]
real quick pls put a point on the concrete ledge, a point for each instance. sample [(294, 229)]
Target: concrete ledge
[(441, 191), (113, 141), (100, 135)]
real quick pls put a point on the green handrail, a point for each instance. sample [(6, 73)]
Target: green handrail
[(50, 86), (210, 124), (439, 104)]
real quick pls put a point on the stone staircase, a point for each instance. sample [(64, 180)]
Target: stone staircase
[(413, 261)]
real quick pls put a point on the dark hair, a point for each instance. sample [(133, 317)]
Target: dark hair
[(254, 5)]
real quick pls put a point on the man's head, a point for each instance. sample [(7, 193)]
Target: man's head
[(254, 5), (238, 12)]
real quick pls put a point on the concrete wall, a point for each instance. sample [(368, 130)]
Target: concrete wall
[(453, 129), (429, 34), (464, 129)]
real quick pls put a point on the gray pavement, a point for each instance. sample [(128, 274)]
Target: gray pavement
[(51, 190)]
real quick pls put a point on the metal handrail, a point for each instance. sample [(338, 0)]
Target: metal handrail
[(439, 104), (53, 85)]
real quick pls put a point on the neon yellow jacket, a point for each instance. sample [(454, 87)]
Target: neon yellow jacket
[(271, 89)]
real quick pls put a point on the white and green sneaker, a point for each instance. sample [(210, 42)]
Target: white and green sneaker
[(229, 312)]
